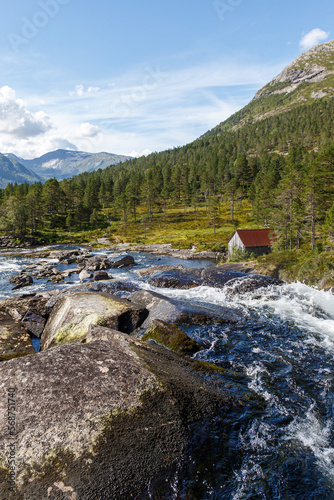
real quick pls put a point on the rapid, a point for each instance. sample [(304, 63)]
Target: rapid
[(282, 446)]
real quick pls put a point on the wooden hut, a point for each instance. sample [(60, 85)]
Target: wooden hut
[(257, 241)]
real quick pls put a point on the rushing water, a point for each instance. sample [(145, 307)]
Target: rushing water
[(284, 447)]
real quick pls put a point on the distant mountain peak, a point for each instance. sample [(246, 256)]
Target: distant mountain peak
[(65, 163)]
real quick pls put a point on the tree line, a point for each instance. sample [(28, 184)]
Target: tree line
[(291, 190)]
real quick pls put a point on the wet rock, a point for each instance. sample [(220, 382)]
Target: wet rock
[(101, 275), (84, 275), (250, 284), (217, 277), (15, 340), (177, 278), (97, 262), (126, 261), (179, 312), (34, 323), (171, 336), (73, 313), (71, 256), (22, 281), (156, 269), (117, 288), (102, 420), (35, 303)]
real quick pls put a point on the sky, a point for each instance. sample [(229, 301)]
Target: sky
[(134, 77)]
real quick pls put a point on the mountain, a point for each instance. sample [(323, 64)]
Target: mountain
[(11, 170), (63, 163), (302, 93)]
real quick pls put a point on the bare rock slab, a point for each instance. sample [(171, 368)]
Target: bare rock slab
[(104, 420), (73, 313)]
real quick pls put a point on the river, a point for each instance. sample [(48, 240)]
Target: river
[(284, 349)]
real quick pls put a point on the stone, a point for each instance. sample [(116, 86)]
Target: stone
[(34, 323), (156, 269), (126, 261), (84, 275), (23, 281), (103, 420), (73, 313), (97, 262), (217, 277), (171, 336), (19, 305), (179, 312), (250, 284), (176, 278), (101, 275)]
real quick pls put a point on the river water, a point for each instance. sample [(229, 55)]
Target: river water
[(283, 448)]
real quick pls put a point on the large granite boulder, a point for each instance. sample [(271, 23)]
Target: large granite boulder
[(104, 420), (73, 313), (176, 311)]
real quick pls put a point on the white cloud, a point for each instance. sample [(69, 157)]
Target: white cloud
[(312, 38), (144, 110), (88, 130), (93, 89), (15, 118)]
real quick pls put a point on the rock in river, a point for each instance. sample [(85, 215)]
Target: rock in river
[(104, 420), (73, 313), (176, 311)]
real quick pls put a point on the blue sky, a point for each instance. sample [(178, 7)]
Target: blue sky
[(134, 77)]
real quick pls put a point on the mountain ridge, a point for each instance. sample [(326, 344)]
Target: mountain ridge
[(63, 163)]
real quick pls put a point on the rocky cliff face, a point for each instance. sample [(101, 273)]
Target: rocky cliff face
[(314, 66)]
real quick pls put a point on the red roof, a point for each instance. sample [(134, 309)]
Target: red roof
[(255, 237)]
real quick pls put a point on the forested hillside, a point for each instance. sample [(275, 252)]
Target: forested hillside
[(275, 156)]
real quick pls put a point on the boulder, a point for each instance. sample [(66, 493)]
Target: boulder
[(171, 336), (15, 340), (179, 312), (97, 262), (34, 323), (73, 313), (101, 275), (116, 288), (22, 281), (17, 307), (156, 269), (104, 420), (84, 275), (176, 278), (126, 261), (217, 277)]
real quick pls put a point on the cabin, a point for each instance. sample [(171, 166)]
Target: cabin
[(257, 241)]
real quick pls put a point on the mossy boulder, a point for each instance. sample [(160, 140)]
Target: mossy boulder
[(108, 419), (171, 336), (74, 313)]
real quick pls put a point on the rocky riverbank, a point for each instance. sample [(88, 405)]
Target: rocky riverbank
[(104, 412)]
